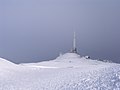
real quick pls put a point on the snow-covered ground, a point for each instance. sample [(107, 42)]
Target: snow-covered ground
[(67, 72)]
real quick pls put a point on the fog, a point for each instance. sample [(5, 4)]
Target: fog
[(37, 30)]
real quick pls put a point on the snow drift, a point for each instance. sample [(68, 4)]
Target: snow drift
[(6, 64), (67, 72)]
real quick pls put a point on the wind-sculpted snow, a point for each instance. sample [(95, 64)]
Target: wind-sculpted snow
[(92, 76)]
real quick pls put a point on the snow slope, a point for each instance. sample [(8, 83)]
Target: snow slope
[(67, 72), (5, 64), (68, 60)]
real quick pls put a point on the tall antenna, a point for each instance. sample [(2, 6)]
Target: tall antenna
[(74, 41), (74, 50)]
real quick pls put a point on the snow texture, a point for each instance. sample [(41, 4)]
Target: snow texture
[(67, 72)]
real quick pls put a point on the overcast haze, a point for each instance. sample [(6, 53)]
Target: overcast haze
[(36, 30)]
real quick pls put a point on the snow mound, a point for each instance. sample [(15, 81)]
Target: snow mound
[(5, 63), (67, 60), (69, 56)]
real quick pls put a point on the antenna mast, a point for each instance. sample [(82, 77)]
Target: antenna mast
[(74, 50), (74, 41)]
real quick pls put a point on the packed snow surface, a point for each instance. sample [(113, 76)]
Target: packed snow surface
[(67, 72)]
